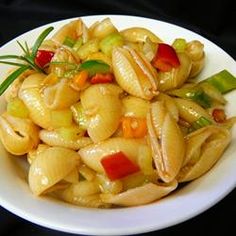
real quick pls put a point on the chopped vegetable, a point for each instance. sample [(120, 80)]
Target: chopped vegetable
[(201, 122), (79, 115), (219, 115), (179, 45), (134, 180), (95, 66), (17, 108), (69, 42), (80, 79), (165, 58), (43, 58), (195, 93), (134, 127), (102, 78), (213, 93), (111, 40), (118, 165), (100, 56), (224, 81), (88, 48)]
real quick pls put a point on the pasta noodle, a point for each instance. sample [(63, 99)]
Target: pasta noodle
[(56, 96), (104, 112), (111, 118), (19, 136), (50, 166), (54, 138)]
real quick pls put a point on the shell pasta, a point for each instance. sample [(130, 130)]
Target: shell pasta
[(109, 117)]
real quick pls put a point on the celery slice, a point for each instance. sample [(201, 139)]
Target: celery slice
[(111, 40), (194, 93), (200, 123), (179, 45), (79, 115), (69, 42), (224, 81)]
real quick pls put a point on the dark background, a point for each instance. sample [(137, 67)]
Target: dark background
[(215, 21)]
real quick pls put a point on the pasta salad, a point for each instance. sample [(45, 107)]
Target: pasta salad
[(107, 117)]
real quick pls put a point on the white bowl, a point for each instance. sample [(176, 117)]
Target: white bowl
[(183, 204)]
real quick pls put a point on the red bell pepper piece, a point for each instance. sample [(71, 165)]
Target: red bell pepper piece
[(118, 165), (43, 57), (219, 115), (99, 78), (165, 58)]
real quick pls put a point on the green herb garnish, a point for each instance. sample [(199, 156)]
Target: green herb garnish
[(27, 60)]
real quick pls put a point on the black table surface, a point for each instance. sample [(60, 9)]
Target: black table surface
[(215, 22)]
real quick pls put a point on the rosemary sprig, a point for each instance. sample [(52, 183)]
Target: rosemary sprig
[(39, 41), (73, 66), (12, 63), (5, 84), (24, 49), (27, 60)]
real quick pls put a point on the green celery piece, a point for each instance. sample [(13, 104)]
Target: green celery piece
[(111, 40), (201, 98), (79, 115), (179, 44), (194, 93), (6, 83), (69, 42), (200, 123), (224, 81), (95, 66)]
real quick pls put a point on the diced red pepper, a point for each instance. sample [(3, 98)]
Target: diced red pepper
[(219, 115), (99, 78), (165, 58), (43, 57), (118, 165)]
